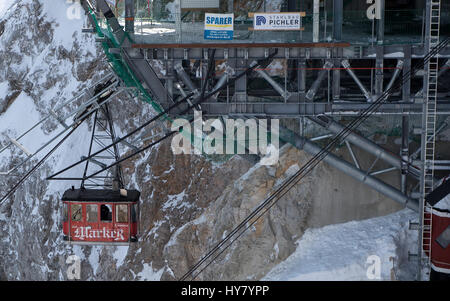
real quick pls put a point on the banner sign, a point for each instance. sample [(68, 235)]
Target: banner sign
[(278, 21), (219, 26)]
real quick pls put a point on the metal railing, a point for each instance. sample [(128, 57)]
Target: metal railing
[(156, 22)]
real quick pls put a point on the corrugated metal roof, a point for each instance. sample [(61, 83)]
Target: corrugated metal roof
[(98, 195)]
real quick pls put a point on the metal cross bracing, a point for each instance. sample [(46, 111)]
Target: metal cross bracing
[(278, 99), (282, 95), (103, 133)]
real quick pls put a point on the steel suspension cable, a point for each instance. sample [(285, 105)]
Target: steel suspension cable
[(16, 186)]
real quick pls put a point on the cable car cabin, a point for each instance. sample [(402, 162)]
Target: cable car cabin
[(100, 216)]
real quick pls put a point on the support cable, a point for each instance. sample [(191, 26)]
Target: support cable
[(12, 190)]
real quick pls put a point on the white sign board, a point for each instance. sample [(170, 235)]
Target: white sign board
[(277, 21), (219, 26)]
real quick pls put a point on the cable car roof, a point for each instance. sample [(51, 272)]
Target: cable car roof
[(100, 195)]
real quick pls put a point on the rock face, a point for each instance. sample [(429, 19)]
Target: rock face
[(269, 241), (175, 190), (314, 202)]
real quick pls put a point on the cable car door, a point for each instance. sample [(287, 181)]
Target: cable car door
[(106, 223)]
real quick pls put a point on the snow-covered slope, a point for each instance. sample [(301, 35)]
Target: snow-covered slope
[(45, 59), (4, 5), (343, 252)]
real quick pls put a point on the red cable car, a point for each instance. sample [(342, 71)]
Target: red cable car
[(100, 216)]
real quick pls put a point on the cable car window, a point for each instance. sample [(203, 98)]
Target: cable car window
[(65, 212), (76, 212), (91, 212), (106, 213), (122, 213)]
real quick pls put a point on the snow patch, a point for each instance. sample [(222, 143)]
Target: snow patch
[(65, 14), (120, 254), (4, 88), (175, 201), (94, 258), (149, 274), (4, 6), (340, 252), (202, 219)]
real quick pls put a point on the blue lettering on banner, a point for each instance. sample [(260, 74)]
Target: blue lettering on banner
[(218, 35), (219, 20)]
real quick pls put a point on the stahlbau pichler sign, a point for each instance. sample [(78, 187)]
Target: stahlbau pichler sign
[(278, 21)]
